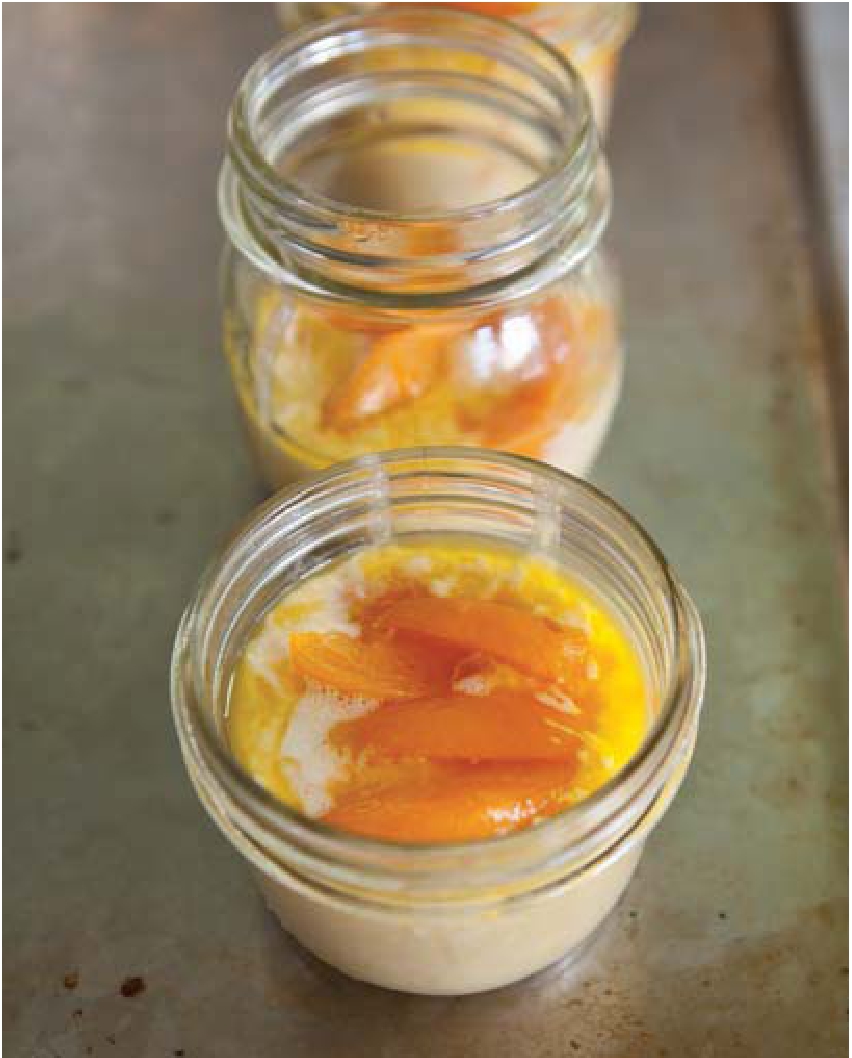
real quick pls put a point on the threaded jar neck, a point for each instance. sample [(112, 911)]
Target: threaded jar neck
[(411, 154)]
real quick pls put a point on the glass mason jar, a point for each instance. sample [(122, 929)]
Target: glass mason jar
[(590, 35), (444, 918), (396, 280)]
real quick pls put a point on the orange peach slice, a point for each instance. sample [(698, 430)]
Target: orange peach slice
[(530, 414), (399, 367), (508, 633), (465, 804), (496, 10), (368, 669), (505, 725)]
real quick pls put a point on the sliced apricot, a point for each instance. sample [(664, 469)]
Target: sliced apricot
[(431, 238), (399, 367), (508, 633), (532, 412), (504, 725), (461, 804), (380, 668), (526, 419), (367, 612), (350, 319), (496, 10)]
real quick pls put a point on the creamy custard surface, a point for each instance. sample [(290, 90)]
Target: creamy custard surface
[(437, 692)]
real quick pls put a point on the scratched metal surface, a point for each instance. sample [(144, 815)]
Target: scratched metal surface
[(124, 468)]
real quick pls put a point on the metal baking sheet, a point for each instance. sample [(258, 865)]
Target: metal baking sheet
[(131, 927)]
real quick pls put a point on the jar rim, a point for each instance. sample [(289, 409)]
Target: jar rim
[(588, 824), (294, 231), (245, 151), (608, 25), (602, 24)]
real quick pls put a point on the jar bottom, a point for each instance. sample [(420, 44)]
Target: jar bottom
[(565, 963), (458, 952)]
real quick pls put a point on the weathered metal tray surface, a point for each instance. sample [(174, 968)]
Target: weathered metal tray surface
[(124, 468)]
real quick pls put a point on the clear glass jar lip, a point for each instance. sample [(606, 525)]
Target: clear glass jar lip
[(502, 249), (687, 685), (251, 164), (602, 24), (607, 25)]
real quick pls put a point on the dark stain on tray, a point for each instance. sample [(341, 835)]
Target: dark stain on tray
[(132, 986), (12, 552), (71, 979)]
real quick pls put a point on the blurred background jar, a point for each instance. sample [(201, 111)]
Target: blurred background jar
[(403, 274), (590, 35)]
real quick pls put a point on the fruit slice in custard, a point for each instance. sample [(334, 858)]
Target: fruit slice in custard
[(340, 383), (437, 692)]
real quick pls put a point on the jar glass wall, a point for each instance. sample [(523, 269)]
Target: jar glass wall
[(445, 918), (590, 35), (396, 279)]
